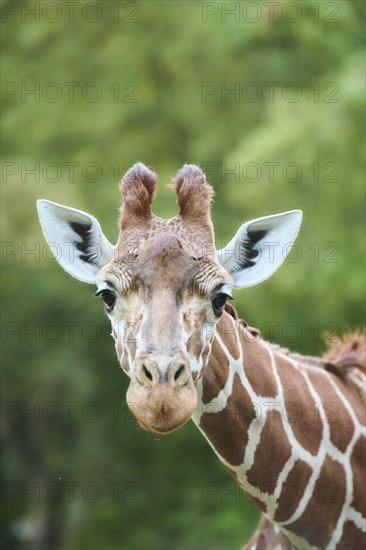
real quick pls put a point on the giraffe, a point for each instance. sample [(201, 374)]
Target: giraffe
[(289, 428)]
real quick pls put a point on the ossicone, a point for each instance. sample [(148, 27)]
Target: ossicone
[(138, 188), (194, 194)]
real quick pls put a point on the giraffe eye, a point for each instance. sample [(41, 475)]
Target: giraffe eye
[(218, 303), (108, 298)]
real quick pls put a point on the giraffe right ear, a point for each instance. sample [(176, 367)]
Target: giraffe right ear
[(260, 247), (76, 240)]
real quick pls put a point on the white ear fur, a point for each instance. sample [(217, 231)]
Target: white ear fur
[(76, 240), (259, 247)]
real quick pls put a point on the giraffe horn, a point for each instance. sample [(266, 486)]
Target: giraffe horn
[(138, 188), (194, 194)]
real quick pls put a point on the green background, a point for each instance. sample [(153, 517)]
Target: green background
[(151, 82)]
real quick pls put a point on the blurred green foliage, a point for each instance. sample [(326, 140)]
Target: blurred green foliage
[(162, 69)]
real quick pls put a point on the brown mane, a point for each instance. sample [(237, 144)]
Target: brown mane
[(343, 354)]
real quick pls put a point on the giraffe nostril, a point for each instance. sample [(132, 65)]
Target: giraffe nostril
[(179, 372), (147, 373)]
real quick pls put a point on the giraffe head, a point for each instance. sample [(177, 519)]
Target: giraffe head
[(164, 285)]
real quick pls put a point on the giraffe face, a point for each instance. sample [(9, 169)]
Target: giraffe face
[(163, 284), (163, 304)]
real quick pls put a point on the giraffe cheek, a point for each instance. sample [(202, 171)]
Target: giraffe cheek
[(123, 357), (125, 364), (119, 350)]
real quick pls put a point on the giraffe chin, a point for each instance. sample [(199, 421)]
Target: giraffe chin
[(163, 409)]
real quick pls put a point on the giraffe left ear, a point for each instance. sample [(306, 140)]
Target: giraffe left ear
[(260, 247), (76, 240)]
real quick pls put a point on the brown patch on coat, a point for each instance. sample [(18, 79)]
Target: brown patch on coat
[(326, 502), (227, 430), (231, 311), (292, 490), (216, 374), (358, 458), (334, 409), (301, 408), (352, 537), (258, 369), (271, 454), (254, 331)]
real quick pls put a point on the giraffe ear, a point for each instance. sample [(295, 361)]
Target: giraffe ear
[(259, 247), (76, 240)]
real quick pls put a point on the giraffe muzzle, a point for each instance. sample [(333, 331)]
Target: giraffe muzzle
[(162, 370), (161, 395)]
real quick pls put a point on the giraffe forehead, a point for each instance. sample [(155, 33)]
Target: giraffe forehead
[(195, 239), (169, 254), (192, 240), (165, 246), (167, 262), (164, 261)]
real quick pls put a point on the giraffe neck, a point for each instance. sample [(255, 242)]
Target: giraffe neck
[(293, 436)]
